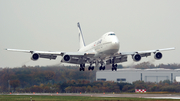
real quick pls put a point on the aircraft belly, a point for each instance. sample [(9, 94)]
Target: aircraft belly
[(105, 53), (106, 50)]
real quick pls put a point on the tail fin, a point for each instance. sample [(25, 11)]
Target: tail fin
[(81, 39)]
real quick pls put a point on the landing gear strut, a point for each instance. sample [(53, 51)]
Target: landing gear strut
[(114, 67), (82, 66)]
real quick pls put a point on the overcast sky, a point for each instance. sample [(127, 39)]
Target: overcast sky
[(52, 25)]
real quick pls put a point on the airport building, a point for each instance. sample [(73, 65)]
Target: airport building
[(146, 75)]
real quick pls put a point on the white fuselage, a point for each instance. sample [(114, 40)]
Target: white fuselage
[(107, 45)]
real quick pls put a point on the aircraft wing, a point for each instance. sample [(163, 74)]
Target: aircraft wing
[(122, 56), (74, 57), (145, 52), (84, 57), (31, 51)]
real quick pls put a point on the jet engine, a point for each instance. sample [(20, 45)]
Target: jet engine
[(66, 58), (136, 57), (158, 55), (35, 57)]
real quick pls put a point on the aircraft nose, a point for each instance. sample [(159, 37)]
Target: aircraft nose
[(115, 44), (115, 40)]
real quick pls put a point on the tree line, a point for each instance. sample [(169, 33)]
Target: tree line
[(68, 79)]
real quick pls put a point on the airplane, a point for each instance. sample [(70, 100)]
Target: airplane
[(104, 51)]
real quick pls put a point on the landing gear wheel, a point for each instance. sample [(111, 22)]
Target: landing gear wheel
[(82, 66), (103, 67), (81, 69), (100, 67), (114, 67), (89, 68)]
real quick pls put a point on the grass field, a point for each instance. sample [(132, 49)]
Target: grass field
[(70, 98)]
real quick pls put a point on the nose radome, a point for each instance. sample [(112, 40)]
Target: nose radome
[(115, 44), (115, 41)]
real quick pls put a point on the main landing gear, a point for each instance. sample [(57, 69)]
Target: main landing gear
[(114, 67), (82, 66), (102, 68), (91, 68)]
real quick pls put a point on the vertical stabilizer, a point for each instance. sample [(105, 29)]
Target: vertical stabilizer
[(81, 39)]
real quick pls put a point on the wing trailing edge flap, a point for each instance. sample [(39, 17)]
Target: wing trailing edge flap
[(79, 54), (48, 56), (122, 56), (146, 53), (53, 55), (78, 57), (75, 55), (117, 59), (42, 54)]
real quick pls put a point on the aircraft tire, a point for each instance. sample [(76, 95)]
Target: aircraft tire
[(81, 68), (100, 67), (89, 68), (104, 68), (115, 65)]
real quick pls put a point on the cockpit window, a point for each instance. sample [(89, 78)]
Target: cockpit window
[(111, 34)]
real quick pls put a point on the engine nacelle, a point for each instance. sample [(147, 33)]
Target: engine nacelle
[(35, 57), (66, 58), (158, 55), (136, 57)]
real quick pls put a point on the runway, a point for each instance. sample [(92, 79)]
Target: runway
[(154, 96)]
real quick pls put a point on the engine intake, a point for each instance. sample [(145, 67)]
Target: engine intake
[(66, 58), (136, 57), (35, 57), (158, 55)]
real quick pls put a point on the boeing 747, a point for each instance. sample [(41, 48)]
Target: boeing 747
[(104, 51)]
